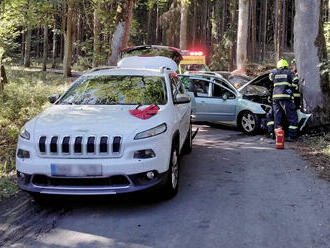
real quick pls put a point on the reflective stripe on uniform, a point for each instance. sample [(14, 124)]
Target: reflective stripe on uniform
[(270, 123), (282, 83), (295, 86), (296, 94), (278, 76), (271, 76), (281, 95), (295, 78), (293, 127)]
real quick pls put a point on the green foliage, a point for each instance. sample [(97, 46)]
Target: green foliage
[(8, 185), (222, 52), (327, 36), (23, 98)]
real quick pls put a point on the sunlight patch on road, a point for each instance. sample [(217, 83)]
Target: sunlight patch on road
[(73, 239)]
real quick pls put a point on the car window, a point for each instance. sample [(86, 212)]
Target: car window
[(226, 84), (113, 90), (176, 86), (201, 88), (219, 92)]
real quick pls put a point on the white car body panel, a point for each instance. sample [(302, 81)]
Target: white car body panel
[(100, 121)]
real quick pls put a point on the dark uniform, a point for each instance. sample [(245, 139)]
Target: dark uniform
[(282, 100), (296, 92), (270, 123)]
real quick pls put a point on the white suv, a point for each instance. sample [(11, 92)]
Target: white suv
[(88, 142)]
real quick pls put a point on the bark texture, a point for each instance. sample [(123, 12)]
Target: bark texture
[(279, 29), (97, 43), (68, 43), (3, 77), (45, 49), (54, 48), (242, 34), (184, 25), (27, 52), (121, 36), (116, 43), (314, 88)]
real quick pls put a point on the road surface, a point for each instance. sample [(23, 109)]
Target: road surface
[(235, 191)]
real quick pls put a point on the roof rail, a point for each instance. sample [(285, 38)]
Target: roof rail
[(100, 68)]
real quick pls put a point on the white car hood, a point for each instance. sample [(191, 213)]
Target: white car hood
[(92, 120)]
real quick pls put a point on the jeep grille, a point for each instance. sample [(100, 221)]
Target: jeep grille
[(73, 146)]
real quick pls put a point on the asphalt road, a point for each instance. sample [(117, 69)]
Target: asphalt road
[(235, 191)]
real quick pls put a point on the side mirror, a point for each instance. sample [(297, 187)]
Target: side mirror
[(224, 97), (53, 98), (182, 98)]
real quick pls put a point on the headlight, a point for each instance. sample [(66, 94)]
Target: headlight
[(25, 134), (151, 132)]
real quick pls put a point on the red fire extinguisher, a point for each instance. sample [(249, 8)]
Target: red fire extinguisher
[(279, 138)]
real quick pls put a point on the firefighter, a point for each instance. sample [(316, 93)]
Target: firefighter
[(283, 105), (295, 85)]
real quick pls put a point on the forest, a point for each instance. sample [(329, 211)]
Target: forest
[(244, 35)]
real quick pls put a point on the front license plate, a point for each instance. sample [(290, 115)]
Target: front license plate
[(73, 170)]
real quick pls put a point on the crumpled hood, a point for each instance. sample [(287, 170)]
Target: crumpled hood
[(92, 120)]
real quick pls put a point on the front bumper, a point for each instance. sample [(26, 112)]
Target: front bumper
[(89, 186)]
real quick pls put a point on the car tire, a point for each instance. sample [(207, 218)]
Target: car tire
[(187, 147), (172, 181), (249, 122)]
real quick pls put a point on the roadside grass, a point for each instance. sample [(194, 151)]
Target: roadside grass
[(316, 150), (23, 98), (8, 185)]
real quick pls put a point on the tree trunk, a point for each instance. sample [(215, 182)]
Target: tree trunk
[(149, 32), (68, 42), (242, 35), (157, 23), (275, 26), (224, 17), (254, 29), (3, 77), (184, 24), (234, 19), (27, 58), (116, 43), (279, 30), (22, 48), (45, 50), (194, 24), (315, 88), (54, 47), (284, 25), (121, 35), (127, 20), (264, 39), (97, 30)]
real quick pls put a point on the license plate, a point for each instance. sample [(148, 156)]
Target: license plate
[(73, 170)]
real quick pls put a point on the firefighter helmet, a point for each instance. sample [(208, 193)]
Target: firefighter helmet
[(282, 63)]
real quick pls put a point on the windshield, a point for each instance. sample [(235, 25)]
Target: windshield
[(112, 90)]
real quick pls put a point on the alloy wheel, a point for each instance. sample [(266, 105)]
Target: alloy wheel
[(248, 122)]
